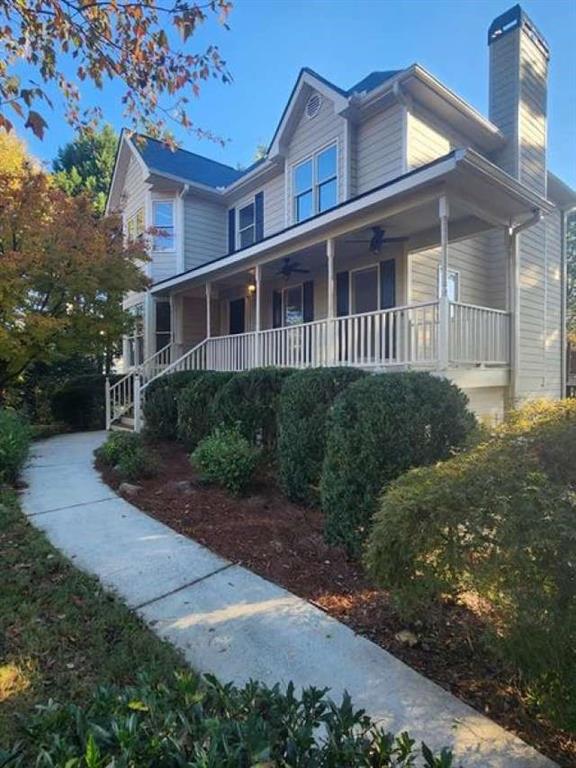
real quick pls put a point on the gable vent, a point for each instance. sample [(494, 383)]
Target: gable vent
[(313, 105)]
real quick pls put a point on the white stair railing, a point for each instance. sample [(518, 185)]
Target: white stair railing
[(193, 360), (121, 396)]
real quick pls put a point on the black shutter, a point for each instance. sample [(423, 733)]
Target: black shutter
[(388, 284), (231, 230), (259, 216), (342, 294), (276, 309), (308, 300)]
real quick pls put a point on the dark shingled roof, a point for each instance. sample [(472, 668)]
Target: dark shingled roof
[(184, 164), (201, 170)]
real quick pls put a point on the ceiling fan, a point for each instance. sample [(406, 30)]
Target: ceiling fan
[(379, 239), (290, 267)]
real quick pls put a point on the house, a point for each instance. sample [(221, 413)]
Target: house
[(389, 226)]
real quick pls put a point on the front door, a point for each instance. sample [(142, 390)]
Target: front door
[(237, 316)]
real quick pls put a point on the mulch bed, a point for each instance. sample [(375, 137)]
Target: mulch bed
[(284, 543)]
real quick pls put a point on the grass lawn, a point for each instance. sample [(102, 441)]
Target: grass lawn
[(60, 633)]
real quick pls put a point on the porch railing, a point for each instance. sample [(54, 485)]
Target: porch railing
[(399, 337), (478, 335)]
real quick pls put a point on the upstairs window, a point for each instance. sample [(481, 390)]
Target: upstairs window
[(163, 223), (135, 225), (316, 184), (247, 225)]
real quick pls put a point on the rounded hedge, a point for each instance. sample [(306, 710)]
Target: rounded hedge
[(194, 406), (496, 521), (305, 403), (160, 403), (380, 427), (250, 400)]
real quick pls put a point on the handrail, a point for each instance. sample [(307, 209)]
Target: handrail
[(479, 306), (177, 364)]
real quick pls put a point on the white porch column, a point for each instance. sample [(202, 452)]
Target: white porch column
[(330, 313), (137, 404), (257, 319), (149, 326), (177, 326), (208, 324), (443, 306)]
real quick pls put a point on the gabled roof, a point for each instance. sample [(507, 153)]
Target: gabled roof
[(372, 81), (185, 165)]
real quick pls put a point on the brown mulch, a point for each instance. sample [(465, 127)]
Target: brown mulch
[(284, 543)]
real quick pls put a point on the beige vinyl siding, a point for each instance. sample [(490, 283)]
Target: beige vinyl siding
[(379, 149), (504, 80), (553, 337), (274, 205), (428, 138), (135, 191), (205, 231), (470, 258), (310, 136), (532, 115)]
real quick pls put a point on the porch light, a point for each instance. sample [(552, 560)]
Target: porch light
[(251, 288)]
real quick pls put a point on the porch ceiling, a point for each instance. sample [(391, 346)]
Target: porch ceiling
[(481, 197)]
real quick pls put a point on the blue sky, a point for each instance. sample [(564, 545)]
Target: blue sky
[(270, 40)]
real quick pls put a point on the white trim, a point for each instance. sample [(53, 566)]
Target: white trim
[(450, 272), (158, 198), (179, 222), (237, 229)]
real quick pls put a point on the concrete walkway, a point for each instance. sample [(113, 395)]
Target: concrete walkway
[(235, 624)]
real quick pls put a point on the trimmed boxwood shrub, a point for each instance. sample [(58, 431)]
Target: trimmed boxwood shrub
[(80, 402), (226, 458), (160, 403), (305, 402), (128, 454), (498, 521), (380, 427), (190, 721), (194, 407), (250, 401), (15, 437)]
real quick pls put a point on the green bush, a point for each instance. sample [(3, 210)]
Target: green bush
[(380, 427), (200, 722), (127, 453), (226, 458), (250, 400), (160, 403), (305, 402), (80, 402), (498, 521), (194, 407), (15, 437)]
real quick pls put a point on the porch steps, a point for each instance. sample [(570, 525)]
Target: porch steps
[(126, 424)]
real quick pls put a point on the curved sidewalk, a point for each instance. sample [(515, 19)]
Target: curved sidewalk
[(231, 622)]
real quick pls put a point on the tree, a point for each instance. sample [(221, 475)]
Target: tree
[(98, 40), (85, 165), (64, 272)]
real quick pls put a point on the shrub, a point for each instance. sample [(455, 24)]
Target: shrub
[(80, 402), (15, 437), (380, 427), (128, 455), (160, 403), (250, 400), (226, 458), (200, 722), (305, 402), (497, 521), (194, 403)]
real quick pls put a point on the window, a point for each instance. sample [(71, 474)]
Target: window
[(453, 284), (163, 325), (135, 225), (316, 184), (163, 223), (365, 290), (293, 305), (135, 339), (246, 225)]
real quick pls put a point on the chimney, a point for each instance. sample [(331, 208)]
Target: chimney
[(519, 58)]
